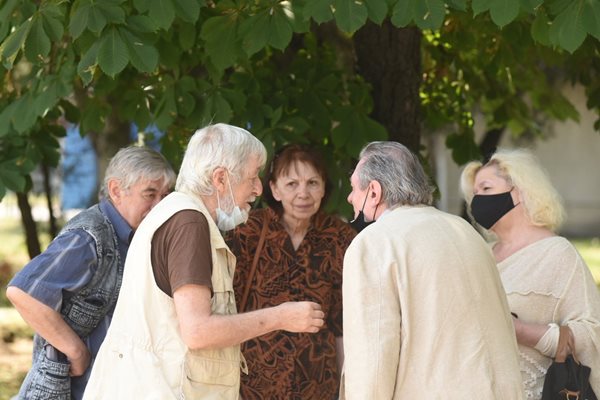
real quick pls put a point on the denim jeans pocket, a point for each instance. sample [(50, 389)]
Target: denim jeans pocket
[(49, 380)]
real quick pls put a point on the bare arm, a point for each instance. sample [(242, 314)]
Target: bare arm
[(49, 324), (202, 329), (528, 334)]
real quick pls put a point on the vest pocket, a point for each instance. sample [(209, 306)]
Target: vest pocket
[(204, 370), (49, 379)]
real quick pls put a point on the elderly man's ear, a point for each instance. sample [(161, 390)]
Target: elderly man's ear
[(115, 192), (375, 193), (219, 179)]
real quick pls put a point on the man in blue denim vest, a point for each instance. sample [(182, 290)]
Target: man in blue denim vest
[(68, 293)]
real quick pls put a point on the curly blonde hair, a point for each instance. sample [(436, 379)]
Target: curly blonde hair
[(520, 168)]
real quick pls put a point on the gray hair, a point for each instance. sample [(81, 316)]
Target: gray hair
[(398, 171), (134, 163), (215, 146)]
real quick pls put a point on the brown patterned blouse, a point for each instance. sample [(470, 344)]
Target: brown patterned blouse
[(284, 365)]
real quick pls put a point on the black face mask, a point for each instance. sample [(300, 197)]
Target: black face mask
[(488, 209), (359, 223)]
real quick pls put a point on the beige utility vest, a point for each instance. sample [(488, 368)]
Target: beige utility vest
[(143, 355)]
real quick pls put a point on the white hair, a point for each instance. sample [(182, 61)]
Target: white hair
[(215, 146), (398, 170), (135, 163)]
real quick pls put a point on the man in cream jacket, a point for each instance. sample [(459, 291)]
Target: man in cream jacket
[(425, 315), (175, 333)]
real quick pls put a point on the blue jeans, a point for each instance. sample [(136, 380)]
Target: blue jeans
[(48, 378)]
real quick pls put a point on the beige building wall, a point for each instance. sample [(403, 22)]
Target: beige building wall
[(570, 154)]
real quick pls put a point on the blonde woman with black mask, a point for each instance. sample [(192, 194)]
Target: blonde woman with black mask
[(547, 283)]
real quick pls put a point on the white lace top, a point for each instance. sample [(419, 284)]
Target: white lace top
[(548, 282)]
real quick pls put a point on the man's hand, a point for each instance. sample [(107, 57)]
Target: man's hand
[(302, 316), (80, 361)]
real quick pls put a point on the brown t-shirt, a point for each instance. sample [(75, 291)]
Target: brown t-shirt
[(181, 253)]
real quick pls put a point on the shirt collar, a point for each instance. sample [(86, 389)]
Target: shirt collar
[(122, 229)]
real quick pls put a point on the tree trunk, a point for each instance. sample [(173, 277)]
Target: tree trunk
[(389, 58), (31, 233), (53, 228)]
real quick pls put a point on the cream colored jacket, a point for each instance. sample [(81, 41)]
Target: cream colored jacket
[(143, 355), (425, 315)]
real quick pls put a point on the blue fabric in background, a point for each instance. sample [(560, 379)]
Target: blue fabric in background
[(79, 166)]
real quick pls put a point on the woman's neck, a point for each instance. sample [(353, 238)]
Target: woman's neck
[(515, 235), (296, 228)]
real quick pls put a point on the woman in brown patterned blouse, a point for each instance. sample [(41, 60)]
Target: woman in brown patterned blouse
[(301, 259)]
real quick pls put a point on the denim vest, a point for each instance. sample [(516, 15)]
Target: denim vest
[(82, 311)]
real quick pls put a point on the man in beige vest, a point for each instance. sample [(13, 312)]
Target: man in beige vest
[(175, 333), (425, 315)]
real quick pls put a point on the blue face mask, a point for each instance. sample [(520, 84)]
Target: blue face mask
[(487, 209), (359, 223)]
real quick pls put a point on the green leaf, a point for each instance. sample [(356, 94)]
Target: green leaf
[(112, 10), (220, 35), (5, 21), (70, 112), (47, 96), (319, 10), (402, 13), (530, 6), (460, 5), (87, 64), (37, 44), (143, 57), (216, 109), (141, 24), (255, 31), (280, 28), (11, 46), (187, 36), (24, 116), (166, 109), (6, 116), (52, 24), (80, 14), (377, 10), (480, 6), (540, 29), (568, 28), (463, 146), (141, 5), (11, 176), (186, 103), (429, 14), (112, 53), (96, 19), (504, 12), (188, 10), (162, 12), (350, 14), (591, 17)]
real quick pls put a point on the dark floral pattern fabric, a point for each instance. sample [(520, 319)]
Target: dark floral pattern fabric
[(284, 365)]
